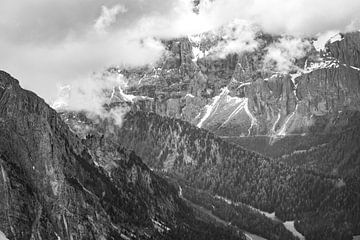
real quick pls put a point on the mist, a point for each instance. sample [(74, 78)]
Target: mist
[(91, 94), (283, 53)]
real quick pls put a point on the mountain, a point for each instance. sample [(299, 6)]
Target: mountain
[(113, 135), (207, 162), (197, 118), (56, 185), (323, 206), (339, 156), (213, 145), (244, 100)]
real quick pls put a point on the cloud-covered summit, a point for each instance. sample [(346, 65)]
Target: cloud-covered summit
[(48, 42)]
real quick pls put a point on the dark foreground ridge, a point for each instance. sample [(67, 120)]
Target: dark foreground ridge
[(53, 184)]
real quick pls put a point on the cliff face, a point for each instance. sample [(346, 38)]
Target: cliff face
[(55, 185), (347, 50), (329, 91), (239, 98)]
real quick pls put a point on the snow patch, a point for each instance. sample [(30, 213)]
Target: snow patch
[(57, 236), (236, 111), (358, 69), (160, 226), (123, 96), (294, 76), (322, 64), (196, 39), (228, 201), (243, 104), (244, 84), (289, 225), (180, 191), (209, 109), (322, 39), (197, 53), (2, 236), (266, 214), (276, 122), (126, 97), (355, 68), (253, 119), (282, 131), (336, 38)]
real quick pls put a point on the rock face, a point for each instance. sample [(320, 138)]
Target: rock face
[(238, 97), (190, 86), (330, 90), (346, 50), (54, 185)]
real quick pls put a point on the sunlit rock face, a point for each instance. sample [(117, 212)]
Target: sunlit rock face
[(242, 96), (346, 49), (330, 90)]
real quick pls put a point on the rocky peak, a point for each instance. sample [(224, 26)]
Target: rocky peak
[(346, 48)]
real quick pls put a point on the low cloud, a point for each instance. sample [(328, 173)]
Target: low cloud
[(323, 38), (236, 37), (291, 17), (282, 54), (91, 94), (108, 17)]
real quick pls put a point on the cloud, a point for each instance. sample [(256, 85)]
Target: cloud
[(108, 17), (88, 94), (323, 38), (295, 17), (58, 42), (91, 94), (89, 46), (282, 54), (236, 37), (40, 68), (46, 42)]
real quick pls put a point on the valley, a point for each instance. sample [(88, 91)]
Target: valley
[(231, 133)]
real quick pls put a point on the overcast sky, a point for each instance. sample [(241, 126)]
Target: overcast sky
[(46, 43)]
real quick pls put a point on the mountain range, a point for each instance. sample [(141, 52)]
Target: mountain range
[(209, 147)]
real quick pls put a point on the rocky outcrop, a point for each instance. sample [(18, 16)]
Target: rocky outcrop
[(347, 49), (55, 185), (330, 90)]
